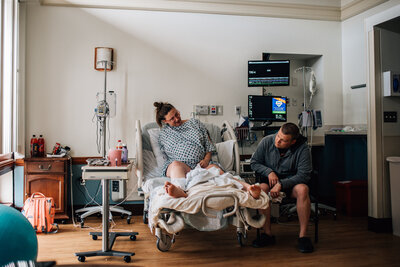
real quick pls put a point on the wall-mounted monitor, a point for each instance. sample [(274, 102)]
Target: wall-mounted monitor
[(267, 108), (269, 73)]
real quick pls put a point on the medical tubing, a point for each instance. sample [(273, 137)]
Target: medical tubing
[(72, 198), (304, 89), (92, 199), (72, 193), (134, 188)]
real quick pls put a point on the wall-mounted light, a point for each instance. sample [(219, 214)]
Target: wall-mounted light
[(102, 55)]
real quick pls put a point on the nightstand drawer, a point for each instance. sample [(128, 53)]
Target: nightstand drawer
[(44, 166)]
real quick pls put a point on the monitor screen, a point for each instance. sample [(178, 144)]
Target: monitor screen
[(267, 108), (269, 73)]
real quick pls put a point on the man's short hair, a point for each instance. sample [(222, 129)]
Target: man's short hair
[(291, 129)]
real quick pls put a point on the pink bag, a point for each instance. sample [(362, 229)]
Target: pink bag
[(40, 211)]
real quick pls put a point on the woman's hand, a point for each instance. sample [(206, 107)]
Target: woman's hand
[(204, 163)]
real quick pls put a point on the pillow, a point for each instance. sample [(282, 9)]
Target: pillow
[(225, 154), (150, 168), (160, 157)]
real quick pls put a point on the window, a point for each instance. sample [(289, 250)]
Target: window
[(8, 74)]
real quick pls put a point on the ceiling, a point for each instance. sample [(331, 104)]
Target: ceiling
[(330, 10)]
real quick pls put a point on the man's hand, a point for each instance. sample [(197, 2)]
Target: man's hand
[(204, 163), (275, 190), (273, 179)]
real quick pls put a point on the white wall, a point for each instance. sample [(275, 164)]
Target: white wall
[(354, 59), (178, 57)]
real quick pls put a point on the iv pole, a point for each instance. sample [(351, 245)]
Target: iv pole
[(104, 126), (304, 69), (103, 114)]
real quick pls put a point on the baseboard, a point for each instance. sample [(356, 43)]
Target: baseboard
[(380, 225)]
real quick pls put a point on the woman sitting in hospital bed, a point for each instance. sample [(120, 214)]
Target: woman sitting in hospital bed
[(186, 144)]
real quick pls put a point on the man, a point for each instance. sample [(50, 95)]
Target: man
[(284, 163)]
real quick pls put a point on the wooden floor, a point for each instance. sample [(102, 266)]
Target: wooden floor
[(344, 242)]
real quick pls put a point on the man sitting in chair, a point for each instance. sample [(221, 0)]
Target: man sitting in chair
[(284, 163)]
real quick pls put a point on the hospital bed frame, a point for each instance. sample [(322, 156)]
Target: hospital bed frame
[(241, 216)]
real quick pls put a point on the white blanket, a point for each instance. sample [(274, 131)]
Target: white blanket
[(200, 183)]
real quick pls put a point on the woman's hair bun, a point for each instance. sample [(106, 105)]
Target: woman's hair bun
[(158, 105)]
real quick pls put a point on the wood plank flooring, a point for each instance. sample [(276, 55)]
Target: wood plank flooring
[(344, 242)]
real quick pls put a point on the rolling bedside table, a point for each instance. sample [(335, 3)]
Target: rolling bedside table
[(48, 176)]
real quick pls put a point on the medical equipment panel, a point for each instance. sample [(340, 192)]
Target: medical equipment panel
[(391, 83), (268, 73), (267, 108)]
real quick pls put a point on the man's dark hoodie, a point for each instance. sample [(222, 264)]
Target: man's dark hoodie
[(293, 168)]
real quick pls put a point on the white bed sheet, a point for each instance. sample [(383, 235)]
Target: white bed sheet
[(200, 183)]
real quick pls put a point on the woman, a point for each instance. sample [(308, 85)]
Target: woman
[(185, 143)]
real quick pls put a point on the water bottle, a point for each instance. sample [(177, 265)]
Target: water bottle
[(124, 157)]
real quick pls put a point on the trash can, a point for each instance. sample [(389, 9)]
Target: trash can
[(394, 172)]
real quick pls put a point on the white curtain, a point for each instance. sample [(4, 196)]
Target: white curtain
[(11, 138)]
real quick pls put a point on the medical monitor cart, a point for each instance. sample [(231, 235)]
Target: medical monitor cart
[(105, 174)]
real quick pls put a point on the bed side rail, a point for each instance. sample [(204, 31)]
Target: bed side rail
[(229, 134), (139, 154)]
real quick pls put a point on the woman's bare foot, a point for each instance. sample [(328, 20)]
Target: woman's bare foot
[(255, 191), (174, 191)]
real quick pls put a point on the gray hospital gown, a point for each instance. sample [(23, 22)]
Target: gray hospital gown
[(187, 143)]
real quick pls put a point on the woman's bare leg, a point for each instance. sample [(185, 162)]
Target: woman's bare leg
[(174, 191), (176, 170), (254, 190)]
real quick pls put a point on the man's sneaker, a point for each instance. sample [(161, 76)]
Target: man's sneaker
[(263, 241), (304, 245)]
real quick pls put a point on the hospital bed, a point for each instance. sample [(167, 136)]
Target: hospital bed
[(210, 206)]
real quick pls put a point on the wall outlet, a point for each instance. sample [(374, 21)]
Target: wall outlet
[(213, 110), (220, 110), (201, 109), (238, 110), (390, 116)]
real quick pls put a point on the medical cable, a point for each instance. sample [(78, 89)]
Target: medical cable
[(109, 134), (72, 198), (72, 193), (92, 199)]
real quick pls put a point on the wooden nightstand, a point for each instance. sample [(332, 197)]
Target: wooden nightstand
[(48, 176)]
